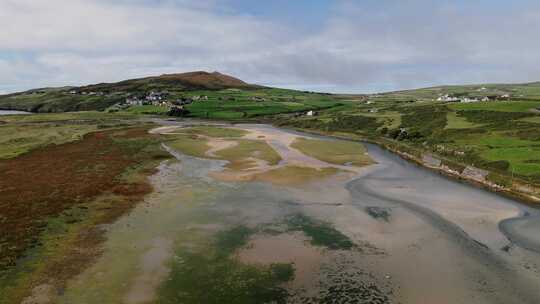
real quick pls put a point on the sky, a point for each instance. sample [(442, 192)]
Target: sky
[(343, 46)]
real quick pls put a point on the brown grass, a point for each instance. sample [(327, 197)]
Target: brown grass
[(42, 184)]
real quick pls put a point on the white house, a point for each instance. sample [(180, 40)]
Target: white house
[(447, 98), (467, 99), (134, 101)]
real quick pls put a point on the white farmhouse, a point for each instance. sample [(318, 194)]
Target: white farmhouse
[(467, 99), (447, 98)]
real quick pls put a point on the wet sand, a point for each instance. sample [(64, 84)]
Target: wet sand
[(420, 238), (456, 246)]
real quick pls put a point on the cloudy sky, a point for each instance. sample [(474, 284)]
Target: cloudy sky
[(337, 46)]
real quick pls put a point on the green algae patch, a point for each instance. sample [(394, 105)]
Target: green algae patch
[(230, 240), (210, 274), (334, 152), (191, 145), (321, 233)]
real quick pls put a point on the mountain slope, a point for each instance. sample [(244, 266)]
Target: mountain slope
[(198, 80), (100, 96)]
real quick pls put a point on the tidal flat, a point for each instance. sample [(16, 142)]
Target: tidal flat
[(244, 214)]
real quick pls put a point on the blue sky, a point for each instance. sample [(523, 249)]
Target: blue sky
[(336, 46)]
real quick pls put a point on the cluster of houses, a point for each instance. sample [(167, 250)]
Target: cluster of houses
[(257, 99), (160, 99), (89, 93), (451, 98)]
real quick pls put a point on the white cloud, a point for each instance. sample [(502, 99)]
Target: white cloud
[(60, 42)]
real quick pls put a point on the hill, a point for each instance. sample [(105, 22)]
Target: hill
[(101, 96), (514, 91), (198, 80)]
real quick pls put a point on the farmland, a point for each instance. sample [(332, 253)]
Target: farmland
[(501, 136)]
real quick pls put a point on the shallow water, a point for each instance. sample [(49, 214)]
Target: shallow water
[(438, 242), (4, 112)]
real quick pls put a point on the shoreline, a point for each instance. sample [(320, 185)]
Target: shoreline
[(524, 198)]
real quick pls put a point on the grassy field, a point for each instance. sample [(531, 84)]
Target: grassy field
[(523, 160), (19, 139), (241, 104), (20, 134), (454, 121), (534, 119), (502, 106), (147, 109)]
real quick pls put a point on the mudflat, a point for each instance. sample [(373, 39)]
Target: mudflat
[(255, 214)]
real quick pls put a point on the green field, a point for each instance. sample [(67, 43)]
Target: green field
[(523, 160), (20, 134), (240, 104), (510, 106), (147, 109), (454, 121)]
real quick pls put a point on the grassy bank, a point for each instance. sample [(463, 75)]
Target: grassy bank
[(54, 195), (501, 137)]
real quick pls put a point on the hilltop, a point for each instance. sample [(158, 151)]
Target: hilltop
[(198, 80)]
